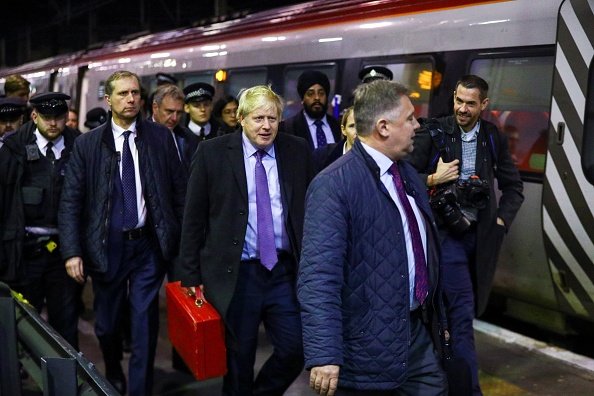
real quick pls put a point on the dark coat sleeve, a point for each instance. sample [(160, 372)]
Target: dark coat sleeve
[(321, 270), (72, 203), (195, 220), (509, 182)]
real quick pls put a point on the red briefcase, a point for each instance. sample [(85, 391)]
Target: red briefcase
[(196, 331)]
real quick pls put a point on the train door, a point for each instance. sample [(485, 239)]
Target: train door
[(568, 191), (520, 85)]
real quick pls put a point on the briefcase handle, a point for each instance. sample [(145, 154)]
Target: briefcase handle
[(199, 301)]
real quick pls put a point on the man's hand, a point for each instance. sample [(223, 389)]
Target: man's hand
[(445, 172), (324, 379), (193, 290), (74, 267)]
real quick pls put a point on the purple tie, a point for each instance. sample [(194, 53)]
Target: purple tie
[(320, 135), (129, 185), (268, 256), (413, 226)]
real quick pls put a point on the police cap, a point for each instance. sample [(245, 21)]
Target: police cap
[(50, 103), (164, 78), (95, 117), (12, 108), (199, 92), (371, 73)]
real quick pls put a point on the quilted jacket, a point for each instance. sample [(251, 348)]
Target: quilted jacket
[(353, 283), (85, 208)]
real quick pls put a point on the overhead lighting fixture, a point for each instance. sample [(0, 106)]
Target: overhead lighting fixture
[(330, 39), (124, 60), (375, 25), (212, 47), (160, 55), (274, 38), (490, 22), (213, 54)]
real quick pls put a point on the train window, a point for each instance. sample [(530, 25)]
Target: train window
[(519, 99), (292, 73), (588, 141), (239, 79), (203, 77), (101, 91), (419, 79)]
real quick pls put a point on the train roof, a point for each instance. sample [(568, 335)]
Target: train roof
[(412, 21)]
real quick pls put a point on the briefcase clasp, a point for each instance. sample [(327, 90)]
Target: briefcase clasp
[(199, 301)]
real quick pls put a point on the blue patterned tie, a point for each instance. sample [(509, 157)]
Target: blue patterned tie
[(320, 135), (268, 256), (420, 262), (129, 186)]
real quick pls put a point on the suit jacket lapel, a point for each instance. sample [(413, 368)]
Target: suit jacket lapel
[(235, 155), (285, 171)]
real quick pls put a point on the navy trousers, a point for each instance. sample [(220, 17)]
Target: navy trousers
[(139, 277), (425, 373), (268, 297), (458, 259)]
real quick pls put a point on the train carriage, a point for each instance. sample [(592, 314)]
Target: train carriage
[(536, 56)]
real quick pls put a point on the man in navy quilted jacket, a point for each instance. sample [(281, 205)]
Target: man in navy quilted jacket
[(369, 274), (120, 223)]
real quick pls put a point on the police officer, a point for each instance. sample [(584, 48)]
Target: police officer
[(12, 111), (34, 159), (375, 72), (199, 109)]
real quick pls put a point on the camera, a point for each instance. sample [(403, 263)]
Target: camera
[(473, 192), (446, 201)]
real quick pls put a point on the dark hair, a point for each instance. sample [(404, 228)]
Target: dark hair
[(471, 81), (221, 103)]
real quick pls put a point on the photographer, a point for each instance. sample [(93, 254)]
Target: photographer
[(459, 157)]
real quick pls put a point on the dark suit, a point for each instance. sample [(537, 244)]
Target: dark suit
[(324, 156), (297, 125), (186, 143), (213, 235), (91, 224)]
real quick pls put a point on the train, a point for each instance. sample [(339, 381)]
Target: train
[(536, 55)]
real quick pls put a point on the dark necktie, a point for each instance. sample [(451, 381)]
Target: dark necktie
[(413, 226), (320, 135), (268, 256), (49, 153), (129, 185), (202, 135)]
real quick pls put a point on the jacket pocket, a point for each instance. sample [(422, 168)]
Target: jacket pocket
[(355, 324), (32, 195)]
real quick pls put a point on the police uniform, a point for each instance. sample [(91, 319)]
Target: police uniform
[(30, 253), (200, 92)]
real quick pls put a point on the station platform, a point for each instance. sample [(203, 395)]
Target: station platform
[(510, 364)]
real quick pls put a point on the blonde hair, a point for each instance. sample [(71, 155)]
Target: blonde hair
[(260, 96)]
